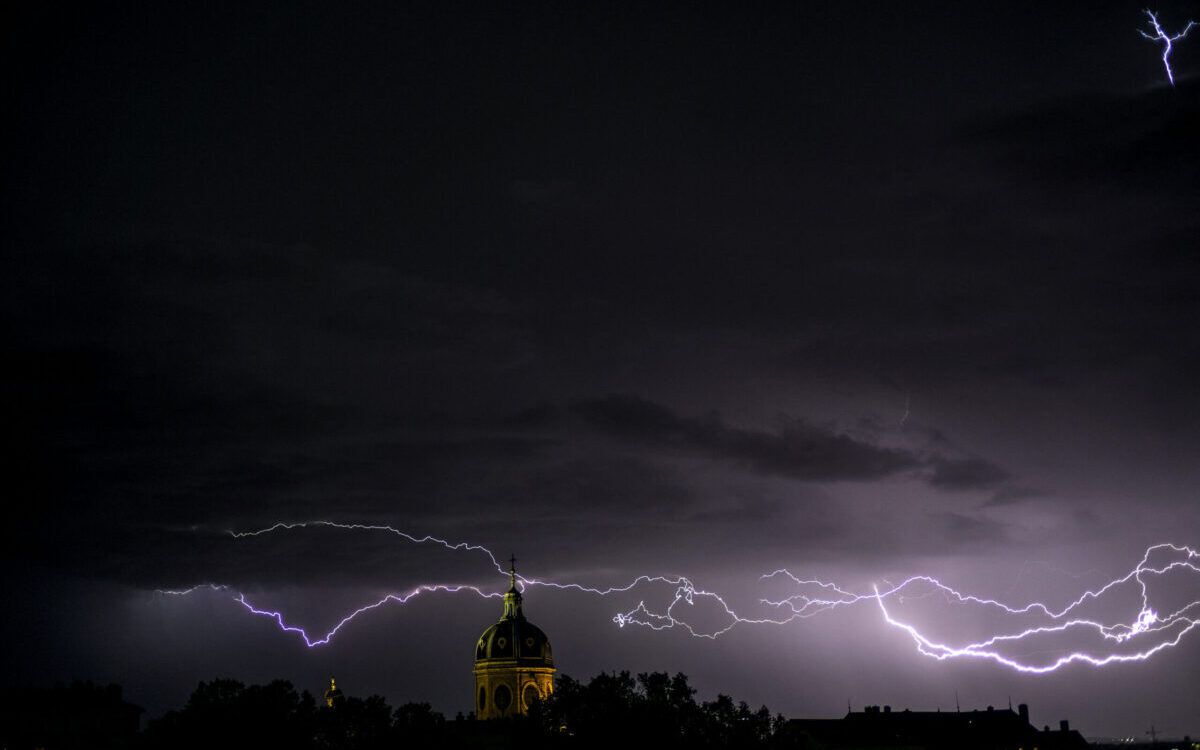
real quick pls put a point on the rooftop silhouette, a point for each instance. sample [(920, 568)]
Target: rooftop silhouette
[(988, 729)]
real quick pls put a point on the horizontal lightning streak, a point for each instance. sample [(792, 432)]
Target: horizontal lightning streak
[(397, 598), (829, 596)]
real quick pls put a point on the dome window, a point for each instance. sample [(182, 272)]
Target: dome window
[(503, 697)]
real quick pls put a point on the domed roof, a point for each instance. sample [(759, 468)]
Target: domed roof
[(513, 637)]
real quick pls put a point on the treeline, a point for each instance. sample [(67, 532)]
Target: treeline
[(651, 709), (654, 709)]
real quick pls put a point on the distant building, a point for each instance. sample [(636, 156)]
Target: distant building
[(333, 694), (514, 666), (936, 730)]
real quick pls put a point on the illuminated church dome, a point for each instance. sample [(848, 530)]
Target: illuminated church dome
[(513, 663), (333, 694)]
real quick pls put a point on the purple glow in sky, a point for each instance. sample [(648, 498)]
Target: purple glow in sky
[(659, 297)]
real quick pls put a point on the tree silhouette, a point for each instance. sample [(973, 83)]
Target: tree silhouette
[(651, 709), (81, 715)]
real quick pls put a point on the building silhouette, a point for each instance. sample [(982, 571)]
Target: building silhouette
[(937, 730), (514, 666)]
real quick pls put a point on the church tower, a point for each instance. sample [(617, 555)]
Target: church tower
[(513, 663)]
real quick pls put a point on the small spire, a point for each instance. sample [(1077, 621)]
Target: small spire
[(512, 599)]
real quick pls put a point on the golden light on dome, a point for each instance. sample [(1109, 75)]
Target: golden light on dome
[(514, 666)]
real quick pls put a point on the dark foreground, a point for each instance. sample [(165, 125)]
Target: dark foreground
[(610, 710)]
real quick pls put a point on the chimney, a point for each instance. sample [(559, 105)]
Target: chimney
[(1064, 725), (1023, 712)]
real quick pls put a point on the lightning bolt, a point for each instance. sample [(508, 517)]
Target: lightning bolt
[(397, 598), (818, 597), (1167, 40)]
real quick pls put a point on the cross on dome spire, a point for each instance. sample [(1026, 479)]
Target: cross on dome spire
[(512, 599)]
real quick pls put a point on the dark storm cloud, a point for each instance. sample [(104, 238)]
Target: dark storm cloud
[(236, 379), (1113, 184), (1051, 246), (384, 267), (600, 486), (181, 381), (1144, 140), (799, 450)]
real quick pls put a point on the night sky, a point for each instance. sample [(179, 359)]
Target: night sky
[(863, 292)]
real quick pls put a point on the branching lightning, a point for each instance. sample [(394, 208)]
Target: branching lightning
[(1137, 637), (397, 598), (1167, 40)]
